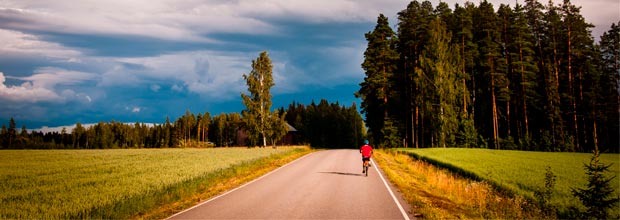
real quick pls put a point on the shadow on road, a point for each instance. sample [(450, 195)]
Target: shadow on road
[(344, 174)]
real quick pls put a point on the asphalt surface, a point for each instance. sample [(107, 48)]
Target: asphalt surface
[(323, 185)]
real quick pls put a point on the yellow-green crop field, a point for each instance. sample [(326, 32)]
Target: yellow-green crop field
[(523, 172), (37, 184)]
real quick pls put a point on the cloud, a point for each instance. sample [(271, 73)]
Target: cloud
[(16, 43), (170, 20), (49, 77), (318, 11), (26, 92), (46, 85), (212, 74), (155, 87)]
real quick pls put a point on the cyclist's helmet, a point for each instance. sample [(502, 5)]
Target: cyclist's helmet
[(365, 141)]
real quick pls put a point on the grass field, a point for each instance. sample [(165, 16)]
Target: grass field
[(521, 172), (37, 184)]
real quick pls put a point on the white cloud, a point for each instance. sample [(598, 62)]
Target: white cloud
[(49, 77), (319, 10), (26, 92), (16, 43), (177, 88), (42, 86), (155, 87), (217, 75)]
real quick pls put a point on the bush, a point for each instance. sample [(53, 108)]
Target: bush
[(544, 195)]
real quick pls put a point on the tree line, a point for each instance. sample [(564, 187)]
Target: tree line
[(187, 130), (528, 77), (324, 125)]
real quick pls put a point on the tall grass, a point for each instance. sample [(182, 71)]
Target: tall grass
[(38, 184), (436, 193), (522, 172)]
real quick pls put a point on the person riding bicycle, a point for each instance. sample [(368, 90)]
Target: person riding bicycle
[(366, 151)]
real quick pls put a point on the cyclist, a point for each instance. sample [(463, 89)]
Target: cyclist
[(366, 151)]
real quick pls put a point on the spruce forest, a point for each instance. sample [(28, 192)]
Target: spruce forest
[(525, 77)]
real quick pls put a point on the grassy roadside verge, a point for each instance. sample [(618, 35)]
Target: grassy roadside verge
[(439, 194), (522, 172), (174, 199)]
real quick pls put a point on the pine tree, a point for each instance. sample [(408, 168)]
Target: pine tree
[(169, 140), (258, 103), (488, 73), (412, 37), (219, 130), (521, 49), (233, 121), (578, 67), (504, 78), (463, 36), (609, 84), (539, 123), (12, 133), (78, 136), (551, 71), (379, 65)]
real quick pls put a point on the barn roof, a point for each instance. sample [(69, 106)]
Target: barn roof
[(290, 127)]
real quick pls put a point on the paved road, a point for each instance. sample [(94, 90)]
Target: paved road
[(323, 185)]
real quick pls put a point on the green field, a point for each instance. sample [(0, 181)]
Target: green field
[(521, 172), (37, 184)]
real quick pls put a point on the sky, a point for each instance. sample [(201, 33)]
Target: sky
[(67, 61)]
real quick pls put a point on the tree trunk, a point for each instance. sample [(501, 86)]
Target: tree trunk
[(385, 97), (558, 130), (198, 133), (463, 72), (204, 133), (524, 92), (494, 106), (508, 63), (571, 91), (594, 134)]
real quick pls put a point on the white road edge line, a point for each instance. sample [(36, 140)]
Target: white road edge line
[(235, 189), (402, 211)]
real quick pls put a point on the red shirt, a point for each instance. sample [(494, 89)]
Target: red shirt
[(366, 150)]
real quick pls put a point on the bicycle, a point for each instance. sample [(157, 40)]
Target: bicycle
[(366, 165)]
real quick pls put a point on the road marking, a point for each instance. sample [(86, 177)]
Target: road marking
[(235, 189), (402, 211)]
